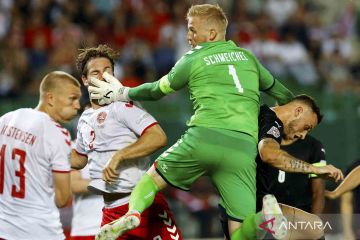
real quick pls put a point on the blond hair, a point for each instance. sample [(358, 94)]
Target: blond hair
[(213, 14), (54, 80)]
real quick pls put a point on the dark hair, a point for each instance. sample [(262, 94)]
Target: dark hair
[(311, 103), (87, 54)]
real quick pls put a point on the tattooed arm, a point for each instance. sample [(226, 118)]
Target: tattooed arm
[(270, 153)]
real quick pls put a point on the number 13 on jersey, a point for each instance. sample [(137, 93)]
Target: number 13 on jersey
[(21, 156)]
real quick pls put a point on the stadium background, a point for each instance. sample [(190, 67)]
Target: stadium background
[(311, 45)]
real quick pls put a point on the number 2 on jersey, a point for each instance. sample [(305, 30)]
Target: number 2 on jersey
[(91, 143), (232, 72), (20, 173)]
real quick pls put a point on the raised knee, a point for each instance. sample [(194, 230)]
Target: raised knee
[(155, 176)]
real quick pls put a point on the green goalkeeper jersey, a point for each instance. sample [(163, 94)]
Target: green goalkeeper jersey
[(224, 83)]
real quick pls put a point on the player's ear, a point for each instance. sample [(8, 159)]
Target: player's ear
[(213, 34), (298, 111), (85, 80), (50, 98)]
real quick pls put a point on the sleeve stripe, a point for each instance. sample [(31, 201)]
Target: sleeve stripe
[(269, 87), (68, 143), (60, 171), (154, 123)]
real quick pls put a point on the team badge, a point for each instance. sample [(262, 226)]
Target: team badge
[(101, 117), (274, 131)]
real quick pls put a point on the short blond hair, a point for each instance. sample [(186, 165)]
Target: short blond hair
[(213, 14), (54, 80)]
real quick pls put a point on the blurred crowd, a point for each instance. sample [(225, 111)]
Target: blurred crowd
[(311, 42)]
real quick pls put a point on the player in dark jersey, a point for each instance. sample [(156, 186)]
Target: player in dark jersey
[(275, 127), (349, 190), (303, 191), (276, 124)]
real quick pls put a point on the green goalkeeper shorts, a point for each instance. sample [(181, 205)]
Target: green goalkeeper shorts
[(227, 157)]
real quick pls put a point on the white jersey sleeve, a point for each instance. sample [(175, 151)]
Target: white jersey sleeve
[(60, 144), (135, 118)]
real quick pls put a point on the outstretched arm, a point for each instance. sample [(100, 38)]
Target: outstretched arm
[(175, 80), (271, 153), (112, 90), (155, 90), (351, 181)]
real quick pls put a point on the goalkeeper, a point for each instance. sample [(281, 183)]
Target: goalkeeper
[(224, 83)]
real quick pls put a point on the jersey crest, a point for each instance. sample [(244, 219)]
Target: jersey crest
[(101, 117), (274, 131)]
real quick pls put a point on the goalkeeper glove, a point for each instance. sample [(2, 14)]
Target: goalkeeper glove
[(108, 91)]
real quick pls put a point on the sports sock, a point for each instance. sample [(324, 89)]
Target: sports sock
[(250, 229), (143, 194)]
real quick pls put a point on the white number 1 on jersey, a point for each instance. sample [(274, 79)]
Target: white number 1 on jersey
[(232, 72)]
